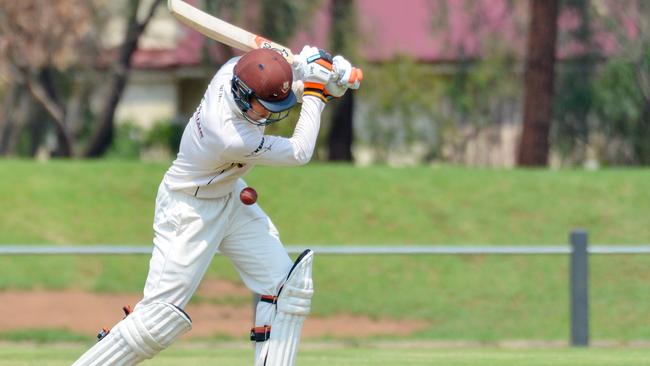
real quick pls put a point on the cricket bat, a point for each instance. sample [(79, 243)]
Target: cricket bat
[(222, 31)]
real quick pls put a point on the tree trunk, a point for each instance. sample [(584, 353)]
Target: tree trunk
[(642, 136), (102, 137), (341, 132), (539, 75), (78, 107), (65, 142), (37, 133), (23, 113), (11, 97), (65, 145), (42, 88)]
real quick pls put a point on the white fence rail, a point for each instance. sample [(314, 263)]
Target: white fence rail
[(15, 249)]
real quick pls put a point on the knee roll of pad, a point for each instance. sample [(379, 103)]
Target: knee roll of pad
[(295, 300), (139, 336), (154, 328)]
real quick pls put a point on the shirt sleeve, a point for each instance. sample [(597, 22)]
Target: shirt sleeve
[(282, 151)]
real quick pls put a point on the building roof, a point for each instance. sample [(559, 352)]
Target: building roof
[(428, 30)]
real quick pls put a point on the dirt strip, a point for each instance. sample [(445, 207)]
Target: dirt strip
[(85, 313)]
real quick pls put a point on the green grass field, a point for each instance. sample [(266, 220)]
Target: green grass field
[(20, 355), (481, 298), (84, 202)]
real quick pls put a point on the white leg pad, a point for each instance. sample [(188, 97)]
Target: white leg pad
[(293, 306), (139, 336), (264, 316)]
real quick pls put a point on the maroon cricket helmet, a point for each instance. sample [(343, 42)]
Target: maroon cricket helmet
[(269, 77)]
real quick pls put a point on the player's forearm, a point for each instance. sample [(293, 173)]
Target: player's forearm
[(282, 151), (305, 134)]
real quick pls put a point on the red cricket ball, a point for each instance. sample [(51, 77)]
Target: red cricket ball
[(248, 196)]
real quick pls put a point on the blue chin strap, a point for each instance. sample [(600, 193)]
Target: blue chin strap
[(243, 94)]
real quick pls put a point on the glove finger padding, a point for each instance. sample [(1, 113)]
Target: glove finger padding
[(334, 90), (345, 77), (345, 74)]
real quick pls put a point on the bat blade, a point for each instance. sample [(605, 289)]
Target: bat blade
[(222, 31)]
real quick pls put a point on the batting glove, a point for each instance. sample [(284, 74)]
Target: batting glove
[(345, 77), (317, 71)]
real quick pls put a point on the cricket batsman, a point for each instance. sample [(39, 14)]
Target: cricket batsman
[(198, 211)]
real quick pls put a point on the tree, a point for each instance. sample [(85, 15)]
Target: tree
[(280, 19), (38, 42), (102, 137), (622, 88), (538, 79), (574, 90), (53, 51), (342, 35)]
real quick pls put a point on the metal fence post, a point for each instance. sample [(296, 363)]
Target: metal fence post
[(579, 289)]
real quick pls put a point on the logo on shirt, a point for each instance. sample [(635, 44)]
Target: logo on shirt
[(260, 149), (197, 118), (220, 95)]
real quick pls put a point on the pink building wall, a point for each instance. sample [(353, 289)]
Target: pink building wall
[(432, 31)]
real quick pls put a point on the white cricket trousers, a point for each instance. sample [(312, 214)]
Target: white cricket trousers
[(188, 231)]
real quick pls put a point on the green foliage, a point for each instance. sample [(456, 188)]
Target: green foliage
[(25, 144), (441, 106), (619, 100), (433, 110), (165, 134), (127, 142), (390, 86), (344, 36), (280, 19), (277, 19), (399, 111), (602, 106), (574, 89), (131, 140), (480, 90), (622, 109), (573, 101)]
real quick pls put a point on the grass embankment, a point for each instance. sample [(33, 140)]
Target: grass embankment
[(475, 298)]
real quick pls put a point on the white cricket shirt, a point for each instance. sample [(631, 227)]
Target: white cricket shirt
[(219, 146)]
